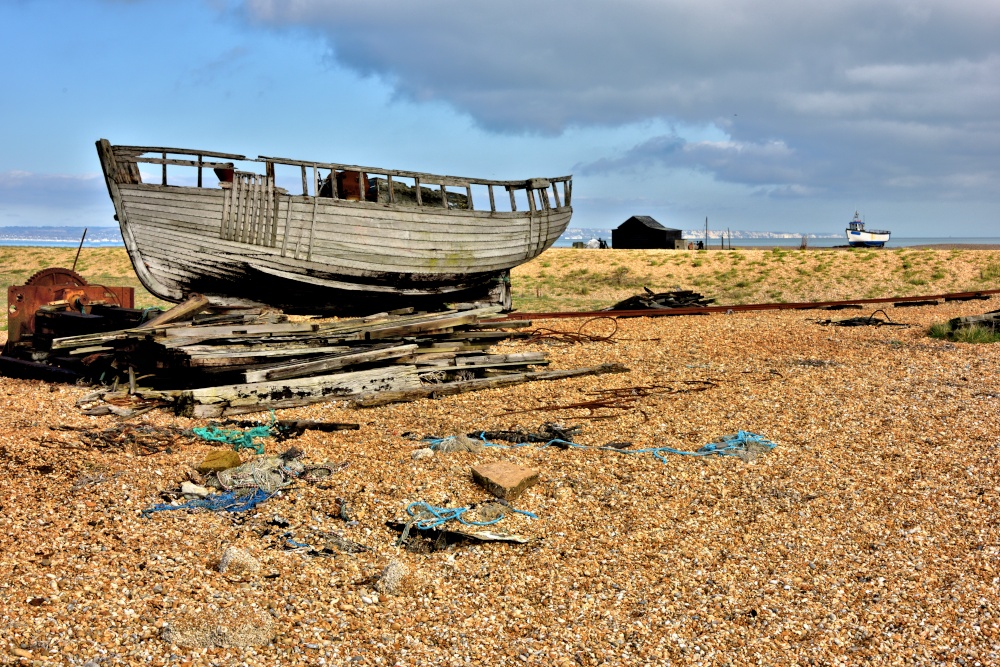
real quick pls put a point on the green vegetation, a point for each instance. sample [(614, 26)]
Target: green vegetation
[(974, 334), (990, 272)]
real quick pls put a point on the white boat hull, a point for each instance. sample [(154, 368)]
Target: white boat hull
[(865, 239)]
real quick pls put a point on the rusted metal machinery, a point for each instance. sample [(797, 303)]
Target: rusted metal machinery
[(58, 302)]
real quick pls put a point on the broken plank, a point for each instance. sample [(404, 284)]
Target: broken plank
[(325, 363), (260, 396), (436, 323), (374, 399), (223, 331), (479, 360), (507, 324), (182, 311)]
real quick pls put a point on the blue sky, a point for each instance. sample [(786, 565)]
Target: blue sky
[(780, 115)]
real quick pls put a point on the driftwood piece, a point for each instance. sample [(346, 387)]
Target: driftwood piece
[(372, 399), (288, 428)]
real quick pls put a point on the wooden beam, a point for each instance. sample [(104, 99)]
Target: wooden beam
[(325, 364), (212, 402), (185, 310), (374, 399)]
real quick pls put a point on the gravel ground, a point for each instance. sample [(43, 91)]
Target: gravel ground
[(868, 535)]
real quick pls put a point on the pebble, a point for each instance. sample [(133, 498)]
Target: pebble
[(885, 467)]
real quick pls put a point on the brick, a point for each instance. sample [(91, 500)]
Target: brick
[(219, 459), (504, 479)]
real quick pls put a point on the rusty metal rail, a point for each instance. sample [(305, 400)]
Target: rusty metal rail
[(802, 305)]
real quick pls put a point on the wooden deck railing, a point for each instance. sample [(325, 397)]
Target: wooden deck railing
[(542, 193)]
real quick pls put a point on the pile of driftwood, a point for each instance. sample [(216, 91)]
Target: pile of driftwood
[(660, 300), (239, 362)]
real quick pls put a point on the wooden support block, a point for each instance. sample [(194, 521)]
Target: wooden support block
[(504, 479)]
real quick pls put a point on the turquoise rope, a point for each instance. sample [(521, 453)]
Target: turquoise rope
[(237, 438), (442, 515), (729, 445)]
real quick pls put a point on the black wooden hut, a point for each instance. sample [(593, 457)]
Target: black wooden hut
[(644, 233)]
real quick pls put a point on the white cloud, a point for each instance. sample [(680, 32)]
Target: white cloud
[(813, 96)]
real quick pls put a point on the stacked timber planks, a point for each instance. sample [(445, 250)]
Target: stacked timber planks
[(235, 363)]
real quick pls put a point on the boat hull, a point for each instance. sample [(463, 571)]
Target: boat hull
[(862, 239), (319, 254)]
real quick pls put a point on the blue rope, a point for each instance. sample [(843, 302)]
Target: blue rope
[(442, 515), (220, 502), (728, 445)]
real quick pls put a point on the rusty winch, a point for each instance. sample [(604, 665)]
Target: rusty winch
[(58, 302)]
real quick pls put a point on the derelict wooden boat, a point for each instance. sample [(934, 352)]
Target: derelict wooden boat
[(361, 239)]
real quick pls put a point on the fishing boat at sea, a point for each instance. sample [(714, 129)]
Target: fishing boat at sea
[(355, 240), (859, 237)]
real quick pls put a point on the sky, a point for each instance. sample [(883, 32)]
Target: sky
[(760, 115)]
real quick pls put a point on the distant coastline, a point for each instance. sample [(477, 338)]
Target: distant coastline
[(51, 236), (58, 236)]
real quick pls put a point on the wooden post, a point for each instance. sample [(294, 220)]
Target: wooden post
[(199, 169), (312, 227), (79, 248), (288, 224), (164, 168)]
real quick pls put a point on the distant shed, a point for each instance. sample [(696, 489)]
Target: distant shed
[(644, 233)]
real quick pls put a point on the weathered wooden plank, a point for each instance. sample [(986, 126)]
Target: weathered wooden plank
[(435, 179), (374, 399), (121, 151), (213, 402), (430, 324), (430, 370), (182, 311), (262, 349), (325, 364), (482, 360), (227, 331)]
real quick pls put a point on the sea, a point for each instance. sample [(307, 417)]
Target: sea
[(110, 237), (901, 242), (781, 239)]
